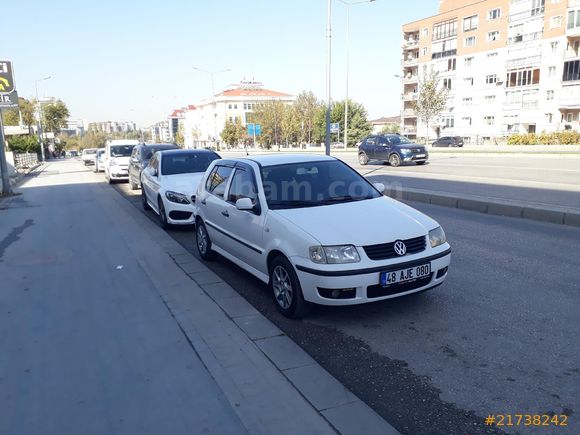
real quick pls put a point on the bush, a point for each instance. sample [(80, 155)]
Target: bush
[(568, 137), (24, 144)]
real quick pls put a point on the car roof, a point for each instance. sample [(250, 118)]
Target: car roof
[(284, 158), (185, 151), (160, 145)]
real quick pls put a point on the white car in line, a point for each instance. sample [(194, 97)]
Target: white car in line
[(117, 156), (169, 183), (99, 160), (316, 231), (88, 155)]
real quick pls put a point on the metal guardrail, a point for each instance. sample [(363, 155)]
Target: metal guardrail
[(25, 160)]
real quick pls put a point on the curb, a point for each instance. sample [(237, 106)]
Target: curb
[(480, 204)]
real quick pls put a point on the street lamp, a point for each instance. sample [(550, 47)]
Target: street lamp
[(39, 114), (348, 5), (211, 74)]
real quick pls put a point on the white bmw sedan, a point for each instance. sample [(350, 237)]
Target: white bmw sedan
[(316, 231), (169, 183)]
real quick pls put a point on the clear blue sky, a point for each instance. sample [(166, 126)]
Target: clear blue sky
[(121, 60)]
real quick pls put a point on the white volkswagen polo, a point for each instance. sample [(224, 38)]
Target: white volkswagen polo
[(169, 183), (316, 231)]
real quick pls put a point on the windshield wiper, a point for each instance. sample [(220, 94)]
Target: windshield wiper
[(344, 198), (293, 203)]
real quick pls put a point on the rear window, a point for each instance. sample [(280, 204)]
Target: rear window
[(150, 150), (121, 150), (186, 163)]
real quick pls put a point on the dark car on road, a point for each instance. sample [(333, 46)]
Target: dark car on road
[(391, 148), (449, 141), (140, 157)]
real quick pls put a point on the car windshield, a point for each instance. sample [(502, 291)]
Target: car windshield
[(121, 150), (397, 140), (89, 151), (186, 163), (311, 184)]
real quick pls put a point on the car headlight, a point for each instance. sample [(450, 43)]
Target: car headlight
[(405, 150), (179, 198), (437, 237), (334, 254), (113, 162)]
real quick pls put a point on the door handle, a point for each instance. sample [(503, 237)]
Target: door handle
[(225, 213), (202, 201)]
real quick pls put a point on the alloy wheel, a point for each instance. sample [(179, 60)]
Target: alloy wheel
[(282, 285)]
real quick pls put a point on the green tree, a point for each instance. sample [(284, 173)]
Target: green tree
[(270, 115), (291, 126), (11, 117), (233, 132), (431, 98), (92, 139), (390, 128), (55, 116), (179, 139), (307, 106), (358, 124), (23, 144), (27, 110)]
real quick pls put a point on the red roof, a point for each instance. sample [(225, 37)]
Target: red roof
[(240, 92), (191, 107)]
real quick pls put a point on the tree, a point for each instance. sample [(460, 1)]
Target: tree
[(233, 132), (55, 116), (291, 126), (307, 107), (358, 124), (11, 117), (390, 128), (431, 99), (179, 139), (270, 115)]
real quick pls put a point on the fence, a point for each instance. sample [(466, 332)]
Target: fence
[(25, 160)]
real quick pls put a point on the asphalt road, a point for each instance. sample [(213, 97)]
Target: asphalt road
[(535, 180), (500, 336)]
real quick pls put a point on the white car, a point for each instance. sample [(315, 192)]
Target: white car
[(169, 183), (117, 156), (99, 160), (88, 156), (316, 231)]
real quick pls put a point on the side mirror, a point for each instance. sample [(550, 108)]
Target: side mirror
[(380, 187), (244, 204)]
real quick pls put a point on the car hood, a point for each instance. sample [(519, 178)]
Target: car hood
[(412, 146), (122, 161), (369, 222), (182, 183)]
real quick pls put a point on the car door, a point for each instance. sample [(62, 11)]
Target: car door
[(150, 180), (383, 148), (133, 164), (370, 147), (245, 227), (213, 206)]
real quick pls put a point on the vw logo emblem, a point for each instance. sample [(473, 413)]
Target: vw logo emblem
[(400, 248)]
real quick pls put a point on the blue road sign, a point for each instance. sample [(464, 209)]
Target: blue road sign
[(334, 127), (258, 129), (250, 129)]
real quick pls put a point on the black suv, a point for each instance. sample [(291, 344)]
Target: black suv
[(448, 141), (140, 157), (391, 148)]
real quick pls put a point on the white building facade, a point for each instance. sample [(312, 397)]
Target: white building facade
[(510, 66)]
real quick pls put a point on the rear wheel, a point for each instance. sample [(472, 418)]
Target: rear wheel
[(286, 289), (363, 159), (144, 201), (394, 160), (203, 242)]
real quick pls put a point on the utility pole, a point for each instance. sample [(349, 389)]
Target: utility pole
[(328, 63), (6, 188)]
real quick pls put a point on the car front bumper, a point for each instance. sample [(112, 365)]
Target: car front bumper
[(118, 173), (179, 214), (366, 280)]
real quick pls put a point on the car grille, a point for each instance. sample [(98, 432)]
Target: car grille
[(387, 250), (377, 291)]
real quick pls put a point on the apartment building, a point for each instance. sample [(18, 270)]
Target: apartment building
[(510, 66)]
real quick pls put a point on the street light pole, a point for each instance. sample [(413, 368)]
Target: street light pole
[(39, 115), (328, 63)]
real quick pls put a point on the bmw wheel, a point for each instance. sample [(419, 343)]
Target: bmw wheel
[(363, 159), (394, 160), (203, 242), (286, 289)]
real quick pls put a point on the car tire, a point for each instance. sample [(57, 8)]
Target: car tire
[(286, 289), (144, 203), (421, 163), (203, 242), (132, 185), (96, 169), (363, 159), (162, 215), (394, 160)]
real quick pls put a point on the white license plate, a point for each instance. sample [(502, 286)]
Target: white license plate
[(419, 156), (404, 275)]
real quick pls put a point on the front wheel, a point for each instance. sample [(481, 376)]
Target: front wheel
[(394, 160), (133, 184), (144, 202), (203, 242), (363, 159), (162, 214), (286, 289)]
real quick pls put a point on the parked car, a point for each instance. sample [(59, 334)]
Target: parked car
[(99, 160), (316, 231), (117, 156), (170, 181), (140, 157), (88, 156), (391, 148), (449, 141)]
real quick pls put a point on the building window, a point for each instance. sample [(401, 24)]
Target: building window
[(494, 14), (451, 64), (573, 19), (235, 106), (491, 79), (489, 120), (425, 32), (466, 120), (493, 36), (537, 7), (445, 29), (549, 95), (469, 41), (554, 46), (489, 99), (551, 71), (549, 118), (449, 122), (424, 51), (467, 101), (556, 22), (468, 61), (571, 71), (492, 54), (470, 23), (447, 83), (229, 106), (523, 77), (468, 81)]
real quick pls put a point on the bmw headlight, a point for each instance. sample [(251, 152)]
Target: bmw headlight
[(334, 254), (179, 198), (437, 237)]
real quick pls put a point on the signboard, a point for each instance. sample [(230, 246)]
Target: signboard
[(6, 77), (254, 129), (335, 127), (258, 129), (8, 101)]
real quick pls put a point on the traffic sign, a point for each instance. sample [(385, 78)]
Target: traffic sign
[(335, 127), (6, 77), (250, 129), (254, 129), (8, 101), (258, 129)]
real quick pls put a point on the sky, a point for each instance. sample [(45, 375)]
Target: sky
[(132, 60)]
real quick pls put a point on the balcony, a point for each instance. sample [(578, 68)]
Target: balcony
[(410, 79), (572, 31), (529, 14), (535, 36), (409, 44), (523, 61), (409, 129), (412, 96), (410, 62), (409, 113)]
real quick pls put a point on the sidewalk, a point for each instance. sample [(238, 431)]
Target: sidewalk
[(108, 325)]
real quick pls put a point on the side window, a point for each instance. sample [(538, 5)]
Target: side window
[(153, 163), (218, 179), (242, 186), (383, 141), (371, 140)]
